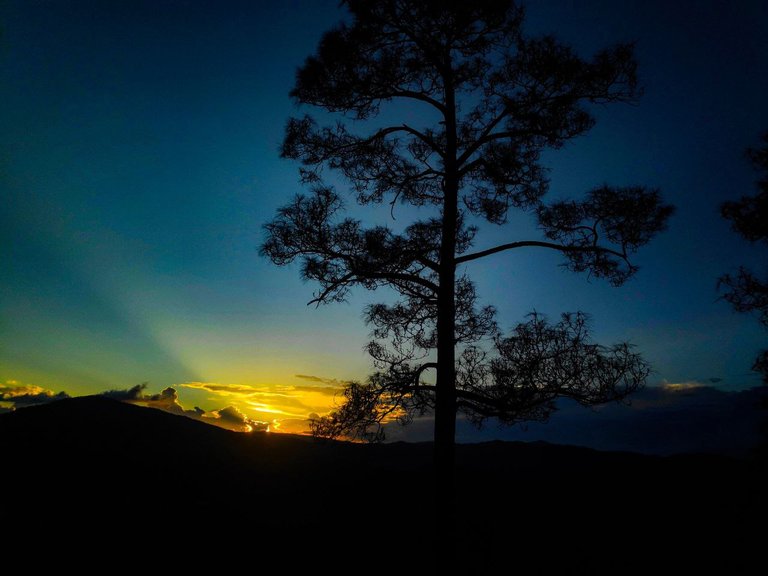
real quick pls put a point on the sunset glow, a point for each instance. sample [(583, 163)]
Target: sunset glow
[(137, 176), (286, 407)]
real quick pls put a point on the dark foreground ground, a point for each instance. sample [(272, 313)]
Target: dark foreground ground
[(91, 474)]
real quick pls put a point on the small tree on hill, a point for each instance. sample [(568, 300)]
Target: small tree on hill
[(490, 101)]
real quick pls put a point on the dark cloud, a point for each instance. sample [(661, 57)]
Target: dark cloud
[(134, 393), (167, 400), (232, 418), (15, 395), (321, 380), (231, 414), (310, 378)]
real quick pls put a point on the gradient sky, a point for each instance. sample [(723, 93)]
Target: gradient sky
[(139, 159)]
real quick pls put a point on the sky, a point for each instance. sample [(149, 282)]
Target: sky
[(139, 162)]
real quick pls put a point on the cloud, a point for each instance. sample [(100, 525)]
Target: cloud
[(229, 417), (321, 380), (167, 400), (675, 395), (223, 389), (232, 418), (15, 395), (134, 393), (667, 386)]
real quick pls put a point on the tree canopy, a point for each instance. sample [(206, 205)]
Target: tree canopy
[(745, 290), (460, 106)]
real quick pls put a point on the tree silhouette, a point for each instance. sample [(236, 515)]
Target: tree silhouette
[(749, 217), (471, 103)]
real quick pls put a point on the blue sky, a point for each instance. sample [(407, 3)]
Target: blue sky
[(139, 161)]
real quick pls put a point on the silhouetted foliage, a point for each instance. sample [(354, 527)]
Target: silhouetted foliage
[(489, 101), (746, 291)]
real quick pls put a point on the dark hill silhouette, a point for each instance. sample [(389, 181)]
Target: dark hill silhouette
[(120, 469)]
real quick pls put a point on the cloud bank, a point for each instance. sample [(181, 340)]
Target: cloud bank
[(229, 417), (15, 395)]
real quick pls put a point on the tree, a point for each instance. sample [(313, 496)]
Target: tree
[(746, 291), (490, 100)]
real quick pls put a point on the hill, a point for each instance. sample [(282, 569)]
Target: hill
[(117, 470)]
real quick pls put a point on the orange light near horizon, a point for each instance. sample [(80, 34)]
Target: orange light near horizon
[(680, 386), (279, 408)]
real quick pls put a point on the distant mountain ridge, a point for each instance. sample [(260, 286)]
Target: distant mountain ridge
[(657, 420)]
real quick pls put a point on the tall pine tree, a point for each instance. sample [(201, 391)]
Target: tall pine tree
[(491, 101)]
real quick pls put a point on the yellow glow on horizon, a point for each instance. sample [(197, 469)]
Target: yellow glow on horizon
[(259, 407), (679, 386), (286, 407)]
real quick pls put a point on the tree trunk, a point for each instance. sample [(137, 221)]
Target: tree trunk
[(445, 400)]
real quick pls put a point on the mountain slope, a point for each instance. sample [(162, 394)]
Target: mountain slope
[(119, 468)]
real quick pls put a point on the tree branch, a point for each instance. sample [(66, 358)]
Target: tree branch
[(424, 138), (381, 133), (403, 277), (419, 96), (483, 138), (539, 244), (428, 263), (322, 296), (419, 371)]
